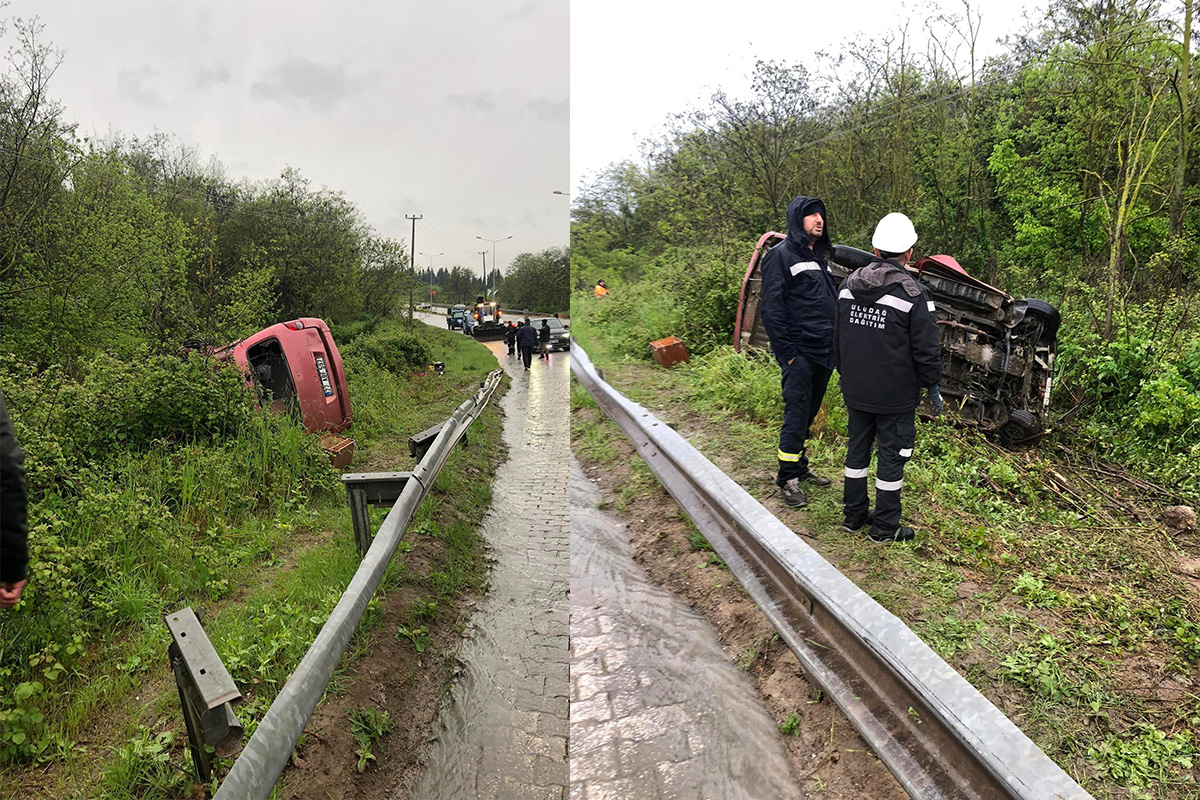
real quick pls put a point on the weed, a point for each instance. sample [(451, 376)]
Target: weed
[(419, 636), (790, 726), (142, 767), (696, 539), (750, 654), (1144, 755), (425, 610), (1035, 592), (367, 726)]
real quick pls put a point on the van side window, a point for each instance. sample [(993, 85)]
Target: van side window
[(271, 374)]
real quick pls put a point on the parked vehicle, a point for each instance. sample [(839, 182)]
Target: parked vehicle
[(997, 351), (560, 338), (295, 367), (456, 316)]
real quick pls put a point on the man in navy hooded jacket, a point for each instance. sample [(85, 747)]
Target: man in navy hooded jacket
[(797, 308)]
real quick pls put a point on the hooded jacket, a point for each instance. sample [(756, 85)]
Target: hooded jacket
[(798, 291), (14, 553), (886, 340), (527, 336)]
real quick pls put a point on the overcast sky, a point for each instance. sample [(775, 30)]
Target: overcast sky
[(455, 110), (635, 62)]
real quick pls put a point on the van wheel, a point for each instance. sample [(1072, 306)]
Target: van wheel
[(1048, 314)]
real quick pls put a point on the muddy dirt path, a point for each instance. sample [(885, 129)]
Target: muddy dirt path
[(502, 732), (657, 709)]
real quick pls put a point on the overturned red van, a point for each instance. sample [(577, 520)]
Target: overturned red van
[(296, 365)]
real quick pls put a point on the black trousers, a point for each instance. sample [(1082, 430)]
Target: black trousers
[(894, 434), (527, 355), (512, 348), (804, 384)]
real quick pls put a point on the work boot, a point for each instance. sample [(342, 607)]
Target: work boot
[(901, 534), (792, 494), (815, 479), (856, 524)]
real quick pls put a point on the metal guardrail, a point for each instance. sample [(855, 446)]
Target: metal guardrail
[(938, 735), (266, 754)]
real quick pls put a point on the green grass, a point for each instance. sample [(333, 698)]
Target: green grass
[(170, 527)]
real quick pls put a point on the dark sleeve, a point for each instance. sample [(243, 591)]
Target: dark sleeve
[(14, 554), (925, 339), (773, 306), (837, 328)]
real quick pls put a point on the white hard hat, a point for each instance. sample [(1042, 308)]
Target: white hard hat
[(894, 234)]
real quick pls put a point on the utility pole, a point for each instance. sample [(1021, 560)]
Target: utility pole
[(412, 263), (493, 241), (431, 257), (484, 254)]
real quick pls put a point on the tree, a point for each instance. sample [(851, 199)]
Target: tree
[(538, 281)]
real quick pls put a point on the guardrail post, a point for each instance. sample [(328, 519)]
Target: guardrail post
[(356, 496), (206, 692), (366, 489)]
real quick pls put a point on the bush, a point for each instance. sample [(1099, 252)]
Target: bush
[(392, 349)]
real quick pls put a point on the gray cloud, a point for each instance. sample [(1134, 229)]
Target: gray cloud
[(551, 110), (480, 101), (134, 84), (299, 79), (213, 76)]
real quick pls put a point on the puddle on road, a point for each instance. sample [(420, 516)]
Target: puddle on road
[(657, 709), (502, 733)]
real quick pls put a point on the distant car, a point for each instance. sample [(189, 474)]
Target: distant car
[(424, 306), (560, 338), (456, 317), (997, 352)]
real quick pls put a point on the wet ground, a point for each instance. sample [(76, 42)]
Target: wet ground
[(503, 729), (657, 709)]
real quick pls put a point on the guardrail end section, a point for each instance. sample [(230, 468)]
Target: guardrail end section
[(206, 692)]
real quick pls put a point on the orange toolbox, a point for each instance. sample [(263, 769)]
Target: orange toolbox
[(668, 351)]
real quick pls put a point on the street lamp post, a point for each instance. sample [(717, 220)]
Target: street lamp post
[(493, 241), (431, 257)]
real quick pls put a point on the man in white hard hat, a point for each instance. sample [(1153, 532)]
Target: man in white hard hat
[(886, 348), (798, 298)]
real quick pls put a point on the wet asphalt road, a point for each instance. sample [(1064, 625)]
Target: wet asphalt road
[(503, 730), (657, 709)]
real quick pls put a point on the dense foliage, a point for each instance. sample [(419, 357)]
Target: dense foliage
[(1064, 169), (538, 281)]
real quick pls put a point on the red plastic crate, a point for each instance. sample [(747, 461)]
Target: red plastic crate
[(668, 351)]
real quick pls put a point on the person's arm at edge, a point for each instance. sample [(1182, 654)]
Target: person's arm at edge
[(773, 309), (14, 552)]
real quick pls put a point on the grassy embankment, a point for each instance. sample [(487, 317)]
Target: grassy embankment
[(1040, 574), (158, 485)]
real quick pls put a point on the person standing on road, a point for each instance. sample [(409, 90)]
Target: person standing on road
[(527, 339), (798, 299), (887, 348), (544, 340), (510, 337), (14, 524)]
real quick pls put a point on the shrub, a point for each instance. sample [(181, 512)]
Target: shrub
[(395, 350)]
